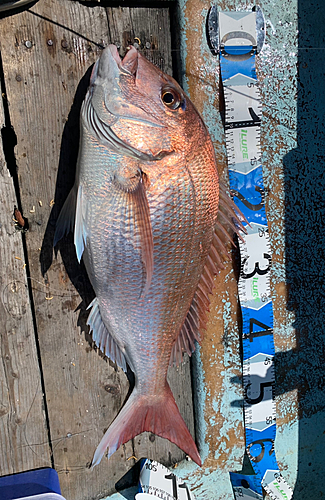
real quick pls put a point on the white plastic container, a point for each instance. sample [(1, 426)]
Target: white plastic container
[(144, 496), (44, 496)]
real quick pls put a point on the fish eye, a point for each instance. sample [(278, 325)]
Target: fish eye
[(171, 98)]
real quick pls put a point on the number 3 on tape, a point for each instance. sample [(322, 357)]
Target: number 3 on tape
[(237, 37)]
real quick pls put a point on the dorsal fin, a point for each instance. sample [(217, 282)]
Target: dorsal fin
[(229, 221)]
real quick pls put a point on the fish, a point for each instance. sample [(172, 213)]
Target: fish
[(152, 223)]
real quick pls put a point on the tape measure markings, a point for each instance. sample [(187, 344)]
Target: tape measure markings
[(157, 480), (242, 128)]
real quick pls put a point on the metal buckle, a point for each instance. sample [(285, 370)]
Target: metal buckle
[(256, 38)]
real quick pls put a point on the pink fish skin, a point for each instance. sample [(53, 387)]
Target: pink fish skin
[(144, 210)]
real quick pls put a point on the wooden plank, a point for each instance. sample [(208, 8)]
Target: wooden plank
[(84, 391), (148, 29), (24, 441), (44, 58)]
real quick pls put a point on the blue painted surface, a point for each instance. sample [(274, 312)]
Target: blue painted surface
[(294, 201), (304, 177)]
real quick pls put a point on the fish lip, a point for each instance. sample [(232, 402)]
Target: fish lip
[(108, 64), (130, 59), (108, 69), (114, 52), (129, 64)]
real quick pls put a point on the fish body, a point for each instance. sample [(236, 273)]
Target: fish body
[(144, 209)]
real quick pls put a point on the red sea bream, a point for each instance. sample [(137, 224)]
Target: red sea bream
[(147, 213)]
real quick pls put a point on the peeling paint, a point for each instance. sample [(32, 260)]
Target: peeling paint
[(200, 391), (277, 73)]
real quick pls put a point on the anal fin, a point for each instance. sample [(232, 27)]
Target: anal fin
[(102, 337)]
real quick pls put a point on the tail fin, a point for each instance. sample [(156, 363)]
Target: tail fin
[(140, 413)]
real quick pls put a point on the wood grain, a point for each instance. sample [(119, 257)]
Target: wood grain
[(146, 28), (46, 81), (24, 441)]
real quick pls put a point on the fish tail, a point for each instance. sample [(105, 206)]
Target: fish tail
[(158, 415)]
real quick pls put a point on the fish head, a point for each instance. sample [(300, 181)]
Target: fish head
[(143, 109)]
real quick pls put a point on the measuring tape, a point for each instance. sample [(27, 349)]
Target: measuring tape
[(159, 482), (237, 37)]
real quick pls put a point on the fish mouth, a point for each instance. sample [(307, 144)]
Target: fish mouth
[(129, 63), (107, 72), (117, 103)]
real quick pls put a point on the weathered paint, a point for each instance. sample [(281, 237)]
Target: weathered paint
[(293, 165), (278, 78)]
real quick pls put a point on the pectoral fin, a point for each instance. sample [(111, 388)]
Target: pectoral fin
[(80, 234), (72, 217), (132, 192), (139, 198), (65, 222)]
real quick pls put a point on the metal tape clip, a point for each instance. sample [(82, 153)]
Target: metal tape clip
[(256, 38)]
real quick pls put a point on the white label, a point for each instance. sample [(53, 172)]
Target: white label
[(144, 496), (276, 486), (237, 28), (246, 494), (158, 481), (254, 281), (243, 102), (258, 373)]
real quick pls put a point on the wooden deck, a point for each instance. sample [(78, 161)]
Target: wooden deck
[(58, 395)]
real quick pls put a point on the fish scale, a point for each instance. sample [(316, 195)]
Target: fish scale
[(144, 209)]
